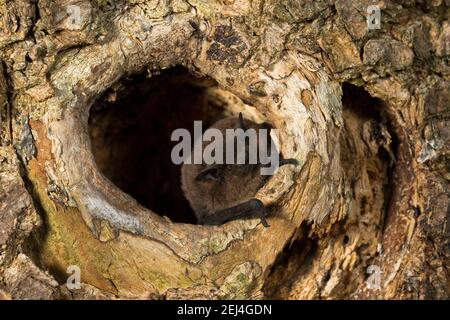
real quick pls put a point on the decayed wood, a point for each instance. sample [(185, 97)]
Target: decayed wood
[(336, 214)]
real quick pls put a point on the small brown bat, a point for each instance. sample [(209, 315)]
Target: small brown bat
[(223, 192)]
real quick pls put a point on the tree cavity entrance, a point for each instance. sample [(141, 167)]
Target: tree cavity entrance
[(130, 129)]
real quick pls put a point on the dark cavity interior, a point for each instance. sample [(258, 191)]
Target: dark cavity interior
[(130, 128)]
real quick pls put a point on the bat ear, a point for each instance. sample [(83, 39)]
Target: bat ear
[(266, 126), (208, 174), (241, 121)]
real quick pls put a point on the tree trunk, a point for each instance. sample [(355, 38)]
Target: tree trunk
[(84, 89)]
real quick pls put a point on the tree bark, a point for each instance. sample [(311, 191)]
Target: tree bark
[(365, 112)]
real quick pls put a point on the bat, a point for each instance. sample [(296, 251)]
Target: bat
[(219, 193)]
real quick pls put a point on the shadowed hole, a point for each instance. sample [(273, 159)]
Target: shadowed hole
[(130, 128)]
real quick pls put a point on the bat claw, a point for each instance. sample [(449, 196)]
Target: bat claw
[(260, 212), (264, 222)]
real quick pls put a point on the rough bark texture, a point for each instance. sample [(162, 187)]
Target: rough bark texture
[(365, 112)]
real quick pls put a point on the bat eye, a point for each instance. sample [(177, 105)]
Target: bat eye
[(208, 174)]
